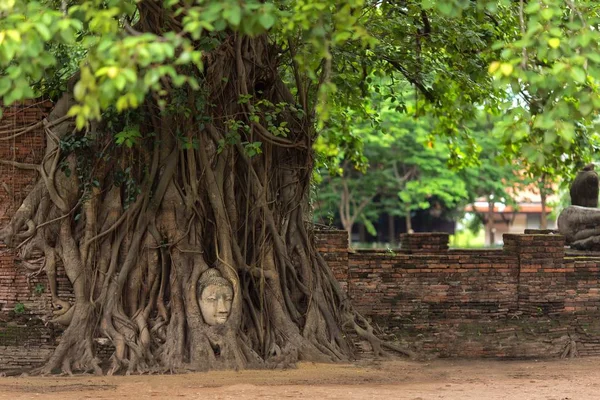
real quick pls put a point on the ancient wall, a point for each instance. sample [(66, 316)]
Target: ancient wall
[(17, 287), (24, 300), (529, 299), (411, 289), (333, 246)]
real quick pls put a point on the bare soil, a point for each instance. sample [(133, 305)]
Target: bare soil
[(574, 379)]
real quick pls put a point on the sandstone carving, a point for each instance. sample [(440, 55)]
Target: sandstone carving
[(580, 222), (581, 227), (584, 189), (215, 296)]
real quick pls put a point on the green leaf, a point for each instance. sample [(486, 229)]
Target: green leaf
[(120, 81), (532, 7), (428, 4), (267, 20), (233, 15), (4, 85), (547, 13), (79, 91), (578, 74), (43, 31)]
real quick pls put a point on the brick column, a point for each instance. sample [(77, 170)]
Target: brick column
[(542, 279), (333, 246), (424, 242)]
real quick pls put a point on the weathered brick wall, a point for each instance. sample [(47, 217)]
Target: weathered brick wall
[(429, 242), (542, 273), (582, 285), (333, 246), (24, 340), (411, 289), (16, 285), (529, 299)]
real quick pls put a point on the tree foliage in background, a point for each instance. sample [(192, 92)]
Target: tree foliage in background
[(182, 140), (407, 168)]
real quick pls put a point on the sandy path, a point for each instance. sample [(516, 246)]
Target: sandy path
[(441, 379)]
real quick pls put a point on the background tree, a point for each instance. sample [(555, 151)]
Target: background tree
[(349, 195), (409, 168), (487, 172), (549, 73), (419, 167), (403, 171)]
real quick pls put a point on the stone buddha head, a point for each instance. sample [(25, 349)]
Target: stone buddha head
[(215, 296)]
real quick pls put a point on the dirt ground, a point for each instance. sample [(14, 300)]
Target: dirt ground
[(440, 379)]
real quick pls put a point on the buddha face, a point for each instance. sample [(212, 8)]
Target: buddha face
[(215, 304)]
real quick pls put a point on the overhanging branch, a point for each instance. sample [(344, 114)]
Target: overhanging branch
[(412, 79)]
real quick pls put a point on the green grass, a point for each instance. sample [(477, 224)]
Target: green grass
[(465, 239)]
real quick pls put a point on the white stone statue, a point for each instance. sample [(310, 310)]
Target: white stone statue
[(215, 296)]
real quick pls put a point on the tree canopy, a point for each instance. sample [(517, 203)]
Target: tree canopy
[(536, 62)]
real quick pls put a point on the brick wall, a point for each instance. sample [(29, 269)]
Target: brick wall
[(542, 273), (429, 242), (17, 285), (410, 289), (333, 246), (529, 299), (24, 340)]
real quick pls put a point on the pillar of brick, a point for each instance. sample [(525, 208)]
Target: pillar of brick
[(333, 246), (424, 242), (542, 278)]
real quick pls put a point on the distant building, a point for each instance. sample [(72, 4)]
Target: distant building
[(527, 214)]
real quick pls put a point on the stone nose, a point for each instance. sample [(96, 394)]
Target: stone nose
[(221, 305)]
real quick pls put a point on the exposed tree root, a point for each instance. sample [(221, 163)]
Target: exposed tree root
[(76, 347), (570, 350)]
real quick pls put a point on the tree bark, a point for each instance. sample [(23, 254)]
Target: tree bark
[(544, 214), (490, 223), (391, 230)]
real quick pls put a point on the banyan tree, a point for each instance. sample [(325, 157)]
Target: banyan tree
[(174, 189)]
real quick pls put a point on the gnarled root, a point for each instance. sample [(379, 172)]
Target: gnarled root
[(570, 349), (76, 348)]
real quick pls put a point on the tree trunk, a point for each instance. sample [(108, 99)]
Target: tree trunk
[(544, 216), (490, 223), (391, 230), (543, 199), (408, 221), (362, 233), (348, 228), (138, 228)]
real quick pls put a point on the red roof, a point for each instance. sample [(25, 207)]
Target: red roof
[(522, 208)]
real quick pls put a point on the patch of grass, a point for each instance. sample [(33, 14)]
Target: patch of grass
[(466, 239)]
